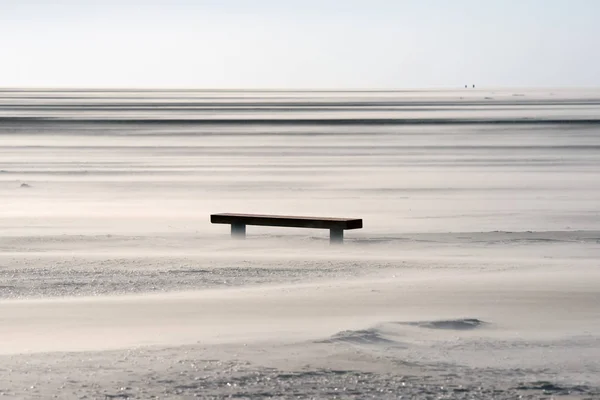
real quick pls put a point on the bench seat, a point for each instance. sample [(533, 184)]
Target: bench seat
[(238, 223)]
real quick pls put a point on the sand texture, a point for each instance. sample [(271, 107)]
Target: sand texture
[(476, 274)]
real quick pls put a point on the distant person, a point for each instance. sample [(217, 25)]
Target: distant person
[(473, 86)]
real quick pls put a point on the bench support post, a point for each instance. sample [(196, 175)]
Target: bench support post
[(336, 236), (238, 231)]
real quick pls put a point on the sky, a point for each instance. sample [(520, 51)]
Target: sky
[(304, 44)]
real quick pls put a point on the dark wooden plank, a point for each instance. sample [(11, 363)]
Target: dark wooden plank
[(287, 220)]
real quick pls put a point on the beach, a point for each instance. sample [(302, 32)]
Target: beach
[(476, 274)]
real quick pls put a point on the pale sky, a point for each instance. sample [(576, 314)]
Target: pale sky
[(389, 44)]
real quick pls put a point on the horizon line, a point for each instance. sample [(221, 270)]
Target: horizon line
[(291, 89)]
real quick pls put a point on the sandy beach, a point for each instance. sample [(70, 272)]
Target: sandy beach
[(476, 275)]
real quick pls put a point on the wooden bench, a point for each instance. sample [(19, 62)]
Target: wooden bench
[(238, 223)]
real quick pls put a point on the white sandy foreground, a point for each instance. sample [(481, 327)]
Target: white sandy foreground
[(525, 331), (552, 304), (476, 275)]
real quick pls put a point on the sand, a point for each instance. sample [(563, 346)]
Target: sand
[(476, 274)]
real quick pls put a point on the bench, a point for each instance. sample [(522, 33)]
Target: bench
[(238, 223)]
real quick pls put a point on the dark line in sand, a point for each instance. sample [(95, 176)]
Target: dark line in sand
[(296, 122)]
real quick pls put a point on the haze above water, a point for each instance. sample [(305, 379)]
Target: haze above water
[(476, 269)]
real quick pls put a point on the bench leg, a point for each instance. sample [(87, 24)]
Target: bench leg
[(238, 231), (336, 236)]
